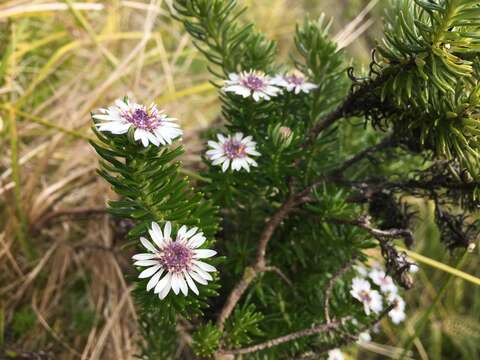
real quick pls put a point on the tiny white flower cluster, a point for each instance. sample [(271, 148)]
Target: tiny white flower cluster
[(259, 86), (335, 354), (372, 299), (363, 338)]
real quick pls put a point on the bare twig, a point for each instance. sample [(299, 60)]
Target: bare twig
[(259, 266), (280, 273), (381, 235), (346, 107), (272, 224), (346, 337), (290, 337), (328, 290), (385, 143)]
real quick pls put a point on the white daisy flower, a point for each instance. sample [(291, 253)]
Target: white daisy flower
[(251, 83), (397, 314), (150, 124), (178, 260), (294, 82), (335, 354), (371, 299), (234, 151), (384, 281)]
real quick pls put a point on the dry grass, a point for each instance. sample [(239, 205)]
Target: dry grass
[(62, 260)]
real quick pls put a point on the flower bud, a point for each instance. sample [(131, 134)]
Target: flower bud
[(282, 136), (471, 247), (285, 132)]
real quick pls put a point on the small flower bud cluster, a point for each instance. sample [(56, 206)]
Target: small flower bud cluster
[(385, 289), (372, 297)]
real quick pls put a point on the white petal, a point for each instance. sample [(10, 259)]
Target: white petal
[(197, 278), (163, 283), (183, 284), (225, 165), (145, 256), (144, 139), (245, 165), (149, 272), (251, 161), (145, 262), (190, 282), (252, 151), (175, 284), (148, 245), (122, 104), (190, 232), (162, 294), (106, 117), (156, 234), (140, 134), (196, 240), (271, 90), (238, 89), (246, 140), (153, 139), (204, 266), (220, 160), (214, 144), (366, 308), (114, 128), (167, 230), (236, 164), (202, 273), (203, 253), (154, 280), (181, 232), (160, 136), (216, 155)]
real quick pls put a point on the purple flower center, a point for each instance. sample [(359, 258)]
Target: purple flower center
[(253, 82), (176, 257), (365, 296), (295, 80), (142, 119), (234, 149)]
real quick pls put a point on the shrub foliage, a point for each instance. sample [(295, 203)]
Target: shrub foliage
[(328, 184)]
